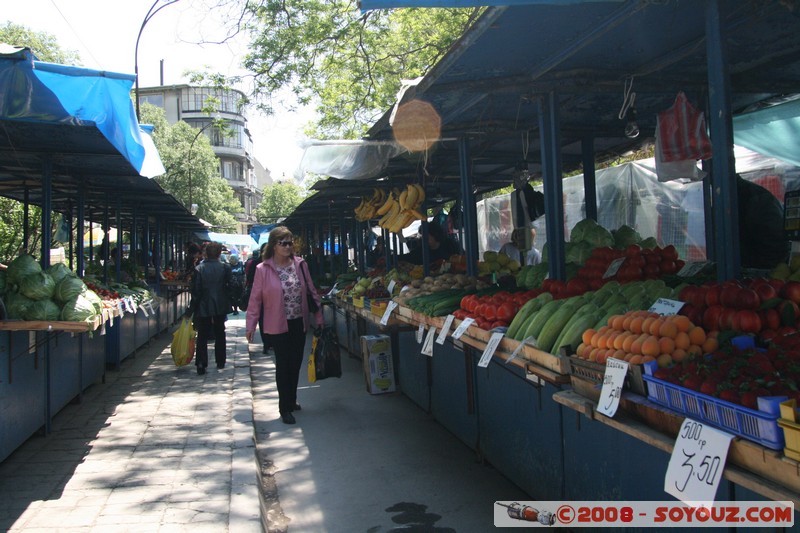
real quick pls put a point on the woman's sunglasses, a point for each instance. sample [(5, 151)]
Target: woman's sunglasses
[(285, 243)]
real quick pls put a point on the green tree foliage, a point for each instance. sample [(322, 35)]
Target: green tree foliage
[(347, 64), (193, 175), (43, 45), (279, 200)]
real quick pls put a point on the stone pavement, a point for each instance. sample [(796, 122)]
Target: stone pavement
[(153, 449)]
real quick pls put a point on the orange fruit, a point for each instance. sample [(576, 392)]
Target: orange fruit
[(626, 344), (668, 329), (648, 358), (682, 322), (655, 325), (593, 354), (664, 360), (616, 322), (636, 345), (619, 354), (636, 324), (694, 351), (646, 324), (580, 349), (650, 346), (636, 359), (626, 323), (666, 344), (710, 345), (619, 340), (682, 340), (602, 357), (679, 354), (697, 335), (587, 336)]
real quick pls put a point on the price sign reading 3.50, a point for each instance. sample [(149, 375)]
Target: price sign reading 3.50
[(697, 462)]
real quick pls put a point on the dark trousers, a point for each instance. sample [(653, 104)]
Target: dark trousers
[(205, 326), (288, 361)]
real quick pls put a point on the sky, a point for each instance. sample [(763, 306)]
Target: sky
[(103, 33)]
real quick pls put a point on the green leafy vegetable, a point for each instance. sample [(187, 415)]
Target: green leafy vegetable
[(68, 288), (39, 286), (22, 267), (42, 310), (78, 309)]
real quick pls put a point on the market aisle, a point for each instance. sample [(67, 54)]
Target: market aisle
[(361, 463), (155, 448)]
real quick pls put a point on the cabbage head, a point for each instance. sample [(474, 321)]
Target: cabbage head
[(578, 252), (78, 309), (625, 236), (649, 243), (39, 286), (588, 230), (42, 310), (60, 271), (68, 288), (95, 299), (16, 305), (22, 267)]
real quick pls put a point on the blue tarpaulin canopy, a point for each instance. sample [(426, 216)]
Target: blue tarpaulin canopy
[(772, 131), (229, 239)]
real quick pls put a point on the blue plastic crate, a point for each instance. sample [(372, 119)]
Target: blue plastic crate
[(760, 425)]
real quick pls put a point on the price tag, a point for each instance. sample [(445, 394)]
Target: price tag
[(427, 348), (134, 307), (121, 307), (144, 310), (111, 317), (613, 380), (445, 329), (445, 267), (664, 306), (613, 267), (697, 462), (386, 314), (419, 332), (390, 288), (467, 322), (691, 268), (491, 346), (103, 328), (515, 353)]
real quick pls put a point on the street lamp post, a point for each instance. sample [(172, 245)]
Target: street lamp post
[(150, 14)]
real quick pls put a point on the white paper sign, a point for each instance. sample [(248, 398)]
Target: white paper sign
[(121, 309), (445, 329), (613, 380), (466, 323), (390, 288), (613, 267), (664, 306), (515, 353), (419, 332), (491, 346), (697, 461), (386, 314), (144, 310), (427, 348)]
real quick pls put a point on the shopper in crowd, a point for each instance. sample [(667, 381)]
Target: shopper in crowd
[(762, 240), (516, 248), (440, 246), (378, 254), (209, 306), (279, 300), (237, 283)]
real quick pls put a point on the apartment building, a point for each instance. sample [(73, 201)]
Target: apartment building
[(237, 164)]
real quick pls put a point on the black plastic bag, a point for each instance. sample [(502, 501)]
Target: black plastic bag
[(327, 358)]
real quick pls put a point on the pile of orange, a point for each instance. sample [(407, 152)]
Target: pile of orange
[(642, 336)]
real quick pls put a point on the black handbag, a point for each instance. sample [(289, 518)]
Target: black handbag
[(245, 298)]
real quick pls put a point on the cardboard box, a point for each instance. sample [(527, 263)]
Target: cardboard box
[(376, 351)]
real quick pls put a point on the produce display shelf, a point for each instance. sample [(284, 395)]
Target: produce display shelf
[(791, 429), (49, 325), (760, 426), (586, 377)]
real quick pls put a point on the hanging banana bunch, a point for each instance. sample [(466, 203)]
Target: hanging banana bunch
[(368, 208), (402, 209)]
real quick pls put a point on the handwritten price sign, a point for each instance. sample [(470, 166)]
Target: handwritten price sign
[(697, 462), (613, 380)]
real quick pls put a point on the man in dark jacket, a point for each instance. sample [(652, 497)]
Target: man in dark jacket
[(762, 240), (210, 305)]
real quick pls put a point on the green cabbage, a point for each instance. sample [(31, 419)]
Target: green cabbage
[(78, 309), (95, 299), (588, 230), (22, 267), (16, 305), (578, 252), (60, 271), (625, 236), (42, 310), (68, 288), (649, 243), (39, 286)]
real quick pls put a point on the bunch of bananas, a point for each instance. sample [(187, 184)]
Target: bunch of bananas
[(368, 208), (401, 208)]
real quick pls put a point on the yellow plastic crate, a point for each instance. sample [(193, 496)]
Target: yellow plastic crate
[(791, 429)]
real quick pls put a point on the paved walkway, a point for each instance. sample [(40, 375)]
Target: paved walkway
[(154, 448), (160, 449)]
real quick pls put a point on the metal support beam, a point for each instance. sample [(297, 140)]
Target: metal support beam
[(589, 178), (553, 186), (81, 262), (723, 168), (470, 215), (47, 209)]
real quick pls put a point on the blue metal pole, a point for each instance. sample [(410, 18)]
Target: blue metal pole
[(553, 186), (589, 178), (470, 217), (79, 229)]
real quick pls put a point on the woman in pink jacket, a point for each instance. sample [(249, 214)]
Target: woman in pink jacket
[(281, 284)]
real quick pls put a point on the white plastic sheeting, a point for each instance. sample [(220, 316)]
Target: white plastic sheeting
[(348, 160)]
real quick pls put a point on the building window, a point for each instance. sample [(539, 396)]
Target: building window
[(152, 99)]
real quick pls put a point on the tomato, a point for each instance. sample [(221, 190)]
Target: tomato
[(770, 319), (711, 317), (465, 302), (668, 266), (507, 311), (490, 312), (498, 324), (748, 299), (577, 286), (746, 321), (669, 252), (633, 250), (713, 295), (765, 291), (791, 291)]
